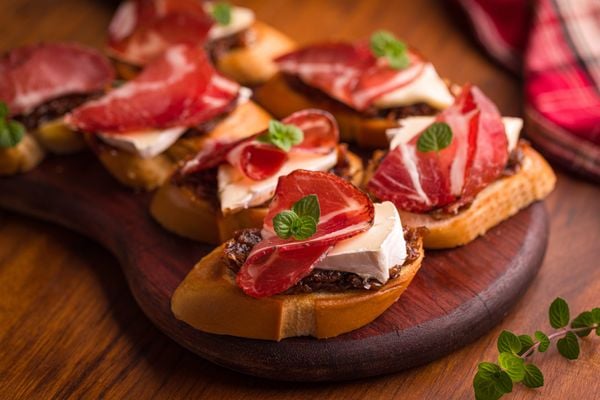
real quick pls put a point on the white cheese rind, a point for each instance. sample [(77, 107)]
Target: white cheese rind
[(411, 126), (238, 192), (427, 88), (241, 18), (373, 253), (146, 144)]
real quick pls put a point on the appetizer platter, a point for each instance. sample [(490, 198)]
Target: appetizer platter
[(255, 225)]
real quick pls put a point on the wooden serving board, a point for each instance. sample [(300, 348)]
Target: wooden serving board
[(457, 296)]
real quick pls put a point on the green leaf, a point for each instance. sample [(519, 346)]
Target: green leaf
[(508, 342), (513, 365), (385, 44), (568, 346), (308, 205), (559, 313), (304, 227), (544, 341), (436, 137), (282, 223), (490, 382), (3, 110), (11, 133), (281, 135), (596, 315), (585, 319), (526, 343), (533, 376), (221, 13)]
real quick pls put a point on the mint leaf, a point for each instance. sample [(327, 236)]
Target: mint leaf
[(508, 342), (385, 44), (282, 223), (559, 313), (533, 376), (596, 315), (308, 205), (544, 341), (585, 319), (304, 227), (526, 343), (513, 365), (301, 221), (568, 346), (490, 382), (281, 135), (11, 133), (3, 110), (436, 137), (221, 12)]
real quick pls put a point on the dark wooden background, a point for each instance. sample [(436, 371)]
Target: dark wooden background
[(70, 328)]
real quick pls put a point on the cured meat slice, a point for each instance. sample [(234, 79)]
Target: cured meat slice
[(32, 75), (142, 30), (260, 160), (422, 181), (180, 88), (348, 72), (276, 264)]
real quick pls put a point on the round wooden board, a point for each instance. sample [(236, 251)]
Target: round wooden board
[(457, 296)]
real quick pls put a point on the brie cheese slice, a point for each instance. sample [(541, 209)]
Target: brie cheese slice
[(427, 88), (411, 126), (241, 18), (238, 192), (373, 253), (146, 144)]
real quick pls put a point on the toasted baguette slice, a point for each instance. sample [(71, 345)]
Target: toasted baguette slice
[(58, 138), (253, 64), (209, 300), (497, 202), (23, 157), (179, 210), (354, 127), (149, 173)]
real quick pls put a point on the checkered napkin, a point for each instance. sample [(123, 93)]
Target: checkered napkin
[(556, 45)]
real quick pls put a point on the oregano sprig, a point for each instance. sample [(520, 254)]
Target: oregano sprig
[(11, 131), (301, 221), (492, 380), (282, 135)]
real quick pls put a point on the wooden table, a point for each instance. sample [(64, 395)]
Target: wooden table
[(70, 328)]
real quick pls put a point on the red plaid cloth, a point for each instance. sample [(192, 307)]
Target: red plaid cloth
[(557, 44)]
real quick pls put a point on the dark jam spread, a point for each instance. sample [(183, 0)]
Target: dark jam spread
[(237, 249), (53, 109), (393, 113), (218, 47)]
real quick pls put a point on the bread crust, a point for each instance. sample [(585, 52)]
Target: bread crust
[(25, 156), (209, 300), (180, 211), (149, 173), (497, 202), (354, 127), (253, 64), (58, 138)]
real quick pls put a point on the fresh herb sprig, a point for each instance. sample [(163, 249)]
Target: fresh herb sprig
[(281, 135), (221, 13), (301, 221), (436, 137), (11, 131), (493, 380), (385, 44)]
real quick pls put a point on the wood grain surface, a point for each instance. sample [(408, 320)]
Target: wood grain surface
[(465, 291), (70, 328)]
